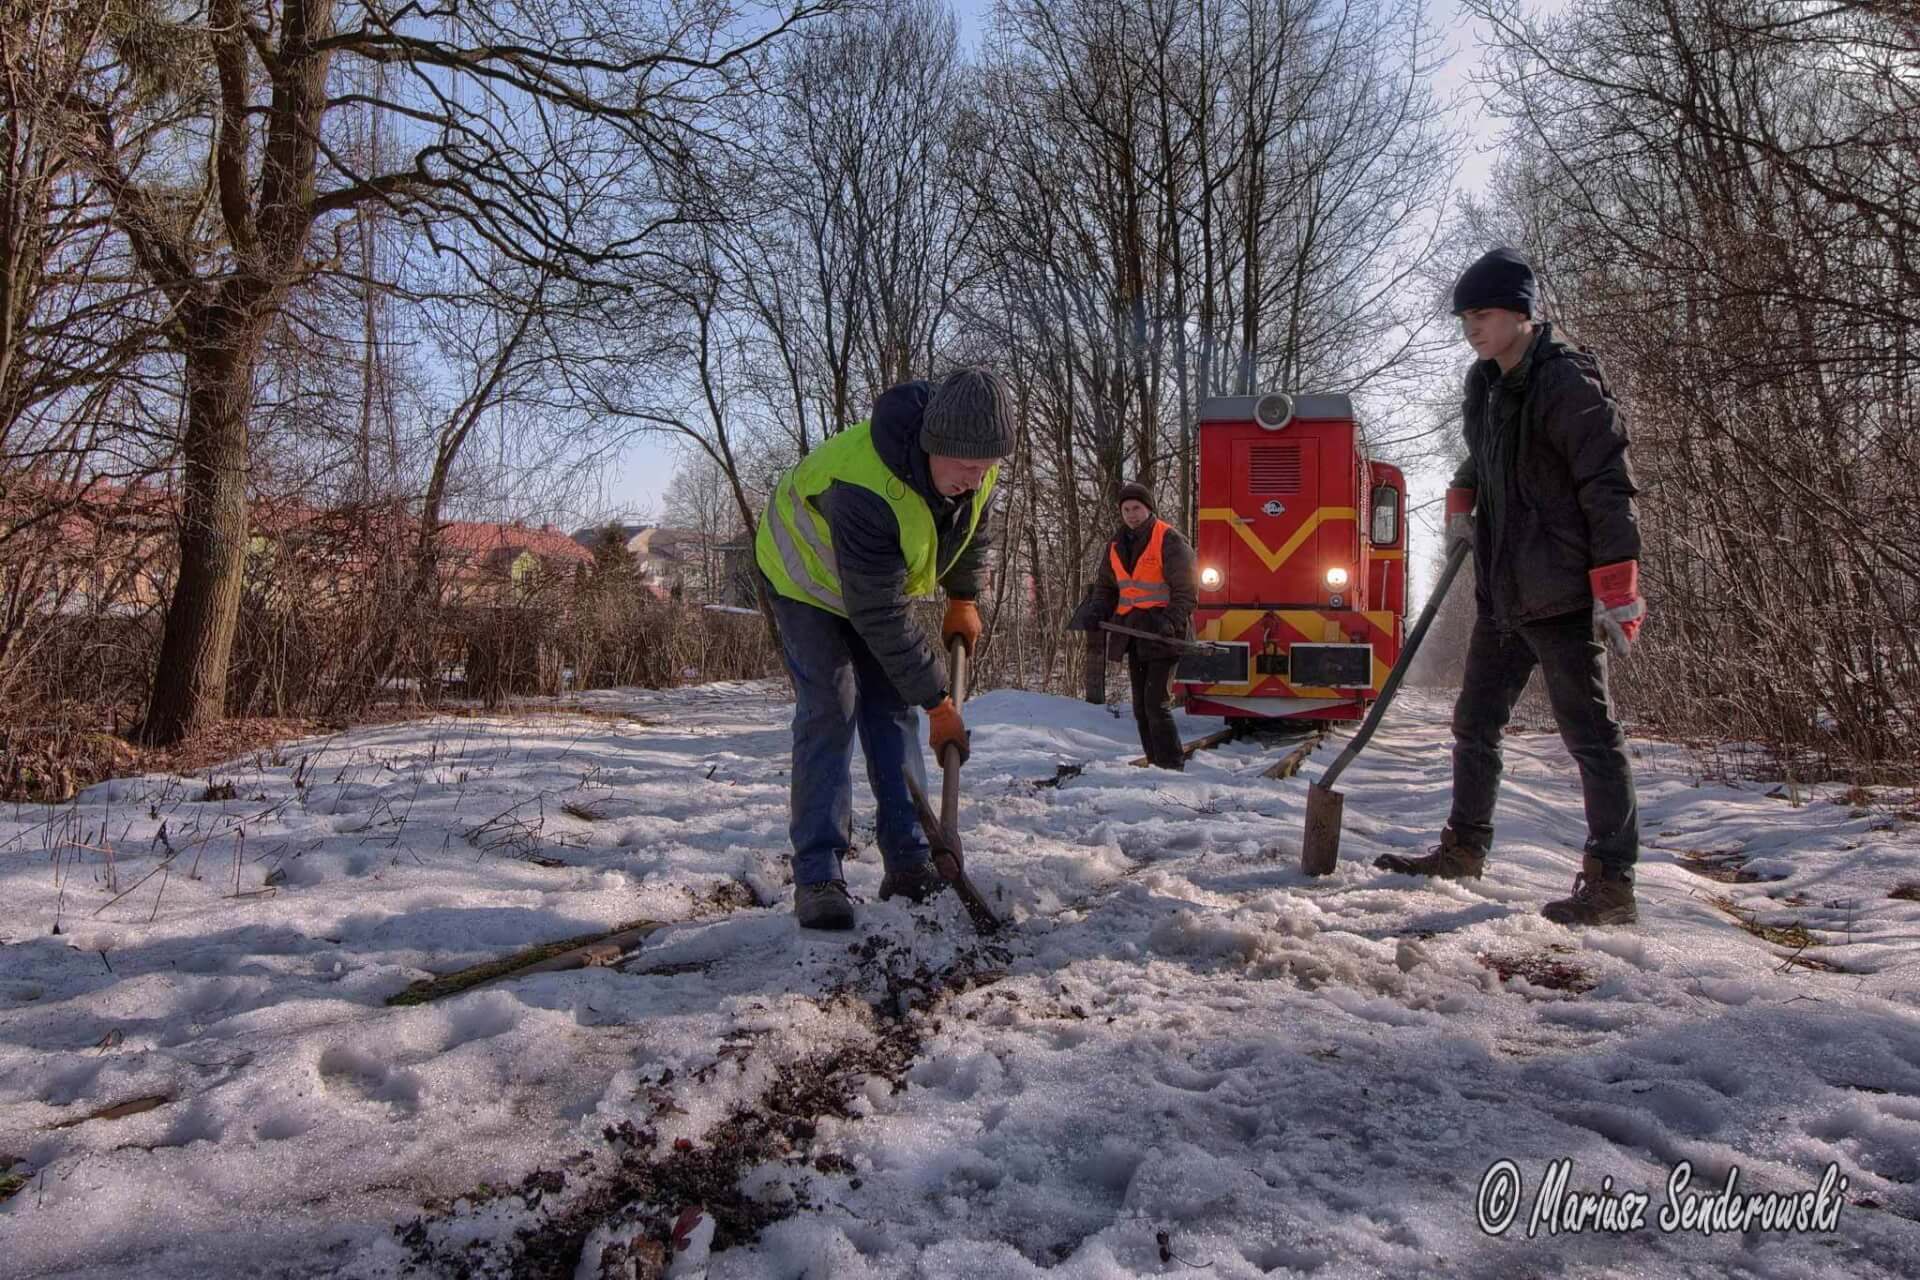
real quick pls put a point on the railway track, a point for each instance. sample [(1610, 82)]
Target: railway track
[(1295, 744)]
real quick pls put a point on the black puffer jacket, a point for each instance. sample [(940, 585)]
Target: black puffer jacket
[(1547, 457), (866, 544), (1176, 620)]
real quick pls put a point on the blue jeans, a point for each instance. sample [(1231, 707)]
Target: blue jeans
[(839, 687)]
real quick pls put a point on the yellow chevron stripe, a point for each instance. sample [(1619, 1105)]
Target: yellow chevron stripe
[(1274, 559)]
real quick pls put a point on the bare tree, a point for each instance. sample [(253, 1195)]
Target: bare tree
[(699, 500), (1183, 201), (571, 138), (83, 400), (416, 264), (1726, 195), (76, 323)]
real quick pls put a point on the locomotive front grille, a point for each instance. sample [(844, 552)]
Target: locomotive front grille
[(1273, 469)]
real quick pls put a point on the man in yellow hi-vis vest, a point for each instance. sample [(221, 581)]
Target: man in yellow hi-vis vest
[(882, 512)]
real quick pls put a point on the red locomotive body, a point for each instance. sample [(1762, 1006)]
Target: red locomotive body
[(1302, 556)]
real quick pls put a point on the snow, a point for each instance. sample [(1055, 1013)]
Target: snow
[(1183, 1035)]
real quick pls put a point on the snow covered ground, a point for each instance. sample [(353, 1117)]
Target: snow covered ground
[(1186, 1057)]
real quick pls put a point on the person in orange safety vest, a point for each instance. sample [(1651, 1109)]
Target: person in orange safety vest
[(1147, 582)]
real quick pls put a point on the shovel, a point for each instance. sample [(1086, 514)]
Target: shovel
[(1177, 643), (943, 832), (1320, 847)]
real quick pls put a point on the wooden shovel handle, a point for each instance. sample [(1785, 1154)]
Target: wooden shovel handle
[(1455, 557), (950, 758)]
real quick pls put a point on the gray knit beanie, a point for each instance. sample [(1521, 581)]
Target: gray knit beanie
[(969, 415)]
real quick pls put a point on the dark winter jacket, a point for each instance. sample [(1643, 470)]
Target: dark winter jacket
[(1176, 620), (1547, 458), (866, 548)]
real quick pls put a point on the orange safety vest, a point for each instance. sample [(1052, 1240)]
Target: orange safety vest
[(1146, 586)]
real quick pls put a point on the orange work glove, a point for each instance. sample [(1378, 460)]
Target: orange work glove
[(963, 620), (1618, 609), (945, 728)]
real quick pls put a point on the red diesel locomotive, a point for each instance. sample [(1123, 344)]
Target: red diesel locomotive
[(1302, 555)]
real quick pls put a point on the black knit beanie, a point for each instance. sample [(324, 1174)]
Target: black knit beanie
[(969, 415), (1501, 278), (1136, 492)]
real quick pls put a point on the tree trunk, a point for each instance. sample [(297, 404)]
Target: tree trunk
[(189, 685), (425, 595)]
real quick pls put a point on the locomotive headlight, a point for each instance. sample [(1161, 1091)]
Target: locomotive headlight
[(1336, 578), (1210, 579)]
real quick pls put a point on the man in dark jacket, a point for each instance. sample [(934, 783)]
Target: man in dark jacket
[(1545, 497), (1146, 582), (878, 514)]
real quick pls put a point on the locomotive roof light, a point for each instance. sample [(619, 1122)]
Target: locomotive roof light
[(1336, 578), (1210, 578), (1274, 411)]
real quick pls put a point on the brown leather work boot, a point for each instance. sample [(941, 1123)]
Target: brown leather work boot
[(1602, 895), (1451, 859), (917, 883), (824, 905)]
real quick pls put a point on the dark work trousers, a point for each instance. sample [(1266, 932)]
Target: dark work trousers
[(1574, 666), (1153, 709), (840, 690)]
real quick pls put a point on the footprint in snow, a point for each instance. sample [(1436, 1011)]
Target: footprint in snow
[(353, 1073)]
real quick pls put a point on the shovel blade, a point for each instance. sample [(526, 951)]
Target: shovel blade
[(949, 862), (1320, 846)]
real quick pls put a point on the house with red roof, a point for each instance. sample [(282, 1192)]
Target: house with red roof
[(103, 548)]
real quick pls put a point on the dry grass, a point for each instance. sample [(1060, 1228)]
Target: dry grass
[(119, 1110), (50, 763), (1803, 960), (331, 632), (519, 709), (584, 810), (1793, 935), (1723, 866), (1541, 968)]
